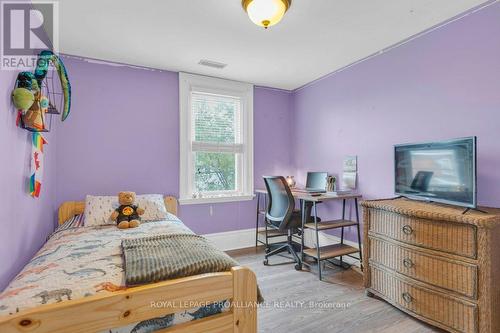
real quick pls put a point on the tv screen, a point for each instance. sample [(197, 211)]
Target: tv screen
[(442, 171)]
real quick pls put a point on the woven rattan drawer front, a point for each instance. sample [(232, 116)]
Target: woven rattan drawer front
[(445, 273), (449, 237), (458, 315)]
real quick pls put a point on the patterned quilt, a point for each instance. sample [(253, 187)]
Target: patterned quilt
[(84, 261)]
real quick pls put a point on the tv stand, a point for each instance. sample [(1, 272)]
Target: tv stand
[(434, 263), (475, 209)]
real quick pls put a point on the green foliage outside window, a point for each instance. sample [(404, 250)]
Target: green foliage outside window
[(215, 122), (215, 172)]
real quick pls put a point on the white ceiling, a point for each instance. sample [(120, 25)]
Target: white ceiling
[(315, 37)]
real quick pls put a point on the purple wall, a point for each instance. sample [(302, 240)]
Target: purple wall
[(443, 85), (26, 221), (124, 134), (123, 130)]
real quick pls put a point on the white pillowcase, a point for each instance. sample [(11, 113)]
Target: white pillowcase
[(98, 209), (154, 206)]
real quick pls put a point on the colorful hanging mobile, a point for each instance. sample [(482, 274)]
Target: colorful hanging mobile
[(34, 96), (36, 163)]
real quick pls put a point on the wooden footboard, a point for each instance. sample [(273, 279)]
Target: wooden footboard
[(101, 312)]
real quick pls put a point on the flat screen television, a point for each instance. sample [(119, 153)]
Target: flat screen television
[(443, 171)]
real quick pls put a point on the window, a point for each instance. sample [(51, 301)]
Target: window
[(216, 140)]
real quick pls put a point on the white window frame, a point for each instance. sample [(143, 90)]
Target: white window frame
[(196, 83)]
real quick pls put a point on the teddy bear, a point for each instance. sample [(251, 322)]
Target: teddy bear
[(128, 214)]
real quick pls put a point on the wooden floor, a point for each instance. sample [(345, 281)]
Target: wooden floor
[(298, 302)]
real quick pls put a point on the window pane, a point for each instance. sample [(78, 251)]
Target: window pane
[(215, 172), (215, 118)]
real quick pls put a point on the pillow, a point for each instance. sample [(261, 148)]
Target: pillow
[(98, 209), (154, 206), (76, 221)]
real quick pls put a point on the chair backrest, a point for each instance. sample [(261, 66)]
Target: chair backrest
[(280, 203)]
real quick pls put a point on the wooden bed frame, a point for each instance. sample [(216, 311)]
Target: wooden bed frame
[(101, 312)]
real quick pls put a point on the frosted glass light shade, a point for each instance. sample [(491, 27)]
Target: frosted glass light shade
[(266, 13)]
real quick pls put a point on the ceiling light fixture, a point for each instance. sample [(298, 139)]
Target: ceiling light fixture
[(266, 13)]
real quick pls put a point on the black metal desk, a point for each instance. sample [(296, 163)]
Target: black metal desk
[(320, 253)]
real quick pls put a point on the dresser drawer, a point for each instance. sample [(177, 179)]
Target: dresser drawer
[(449, 237), (445, 273), (451, 312)]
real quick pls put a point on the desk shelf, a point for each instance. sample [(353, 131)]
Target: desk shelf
[(331, 224), (271, 233), (331, 251)]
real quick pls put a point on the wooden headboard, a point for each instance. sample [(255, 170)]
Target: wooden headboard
[(72, 208)]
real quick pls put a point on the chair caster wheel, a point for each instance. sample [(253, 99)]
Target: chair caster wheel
[(298, 267), (266, 262)]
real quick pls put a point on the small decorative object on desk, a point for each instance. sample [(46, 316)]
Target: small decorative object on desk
[(330, 183), (350, 164), (350, 173), (290, 180)]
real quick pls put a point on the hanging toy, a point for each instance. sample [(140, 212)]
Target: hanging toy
[(36, 164), (23, 95), (23, 99), (34, 119), (44, 104), (44, 58), (29, 102)]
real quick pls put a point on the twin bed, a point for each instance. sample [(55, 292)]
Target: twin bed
[(75, 283)]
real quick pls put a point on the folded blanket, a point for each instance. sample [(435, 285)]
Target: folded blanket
[(170, 256)]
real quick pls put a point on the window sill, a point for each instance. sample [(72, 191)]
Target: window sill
[(209, 200)]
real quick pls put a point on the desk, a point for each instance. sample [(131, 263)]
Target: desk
[(320, 252)]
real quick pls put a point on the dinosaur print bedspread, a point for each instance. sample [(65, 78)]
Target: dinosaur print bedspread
[(84, 261)]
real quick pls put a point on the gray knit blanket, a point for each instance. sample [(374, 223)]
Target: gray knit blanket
[(170, 256)]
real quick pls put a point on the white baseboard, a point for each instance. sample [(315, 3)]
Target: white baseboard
[(241, 239), (234, 240)]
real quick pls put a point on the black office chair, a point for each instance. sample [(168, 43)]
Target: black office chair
[(281, 215)]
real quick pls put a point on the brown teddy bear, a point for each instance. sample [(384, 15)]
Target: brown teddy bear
[(128, 214)]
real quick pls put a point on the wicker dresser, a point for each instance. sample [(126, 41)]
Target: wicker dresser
[(434, 262)]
